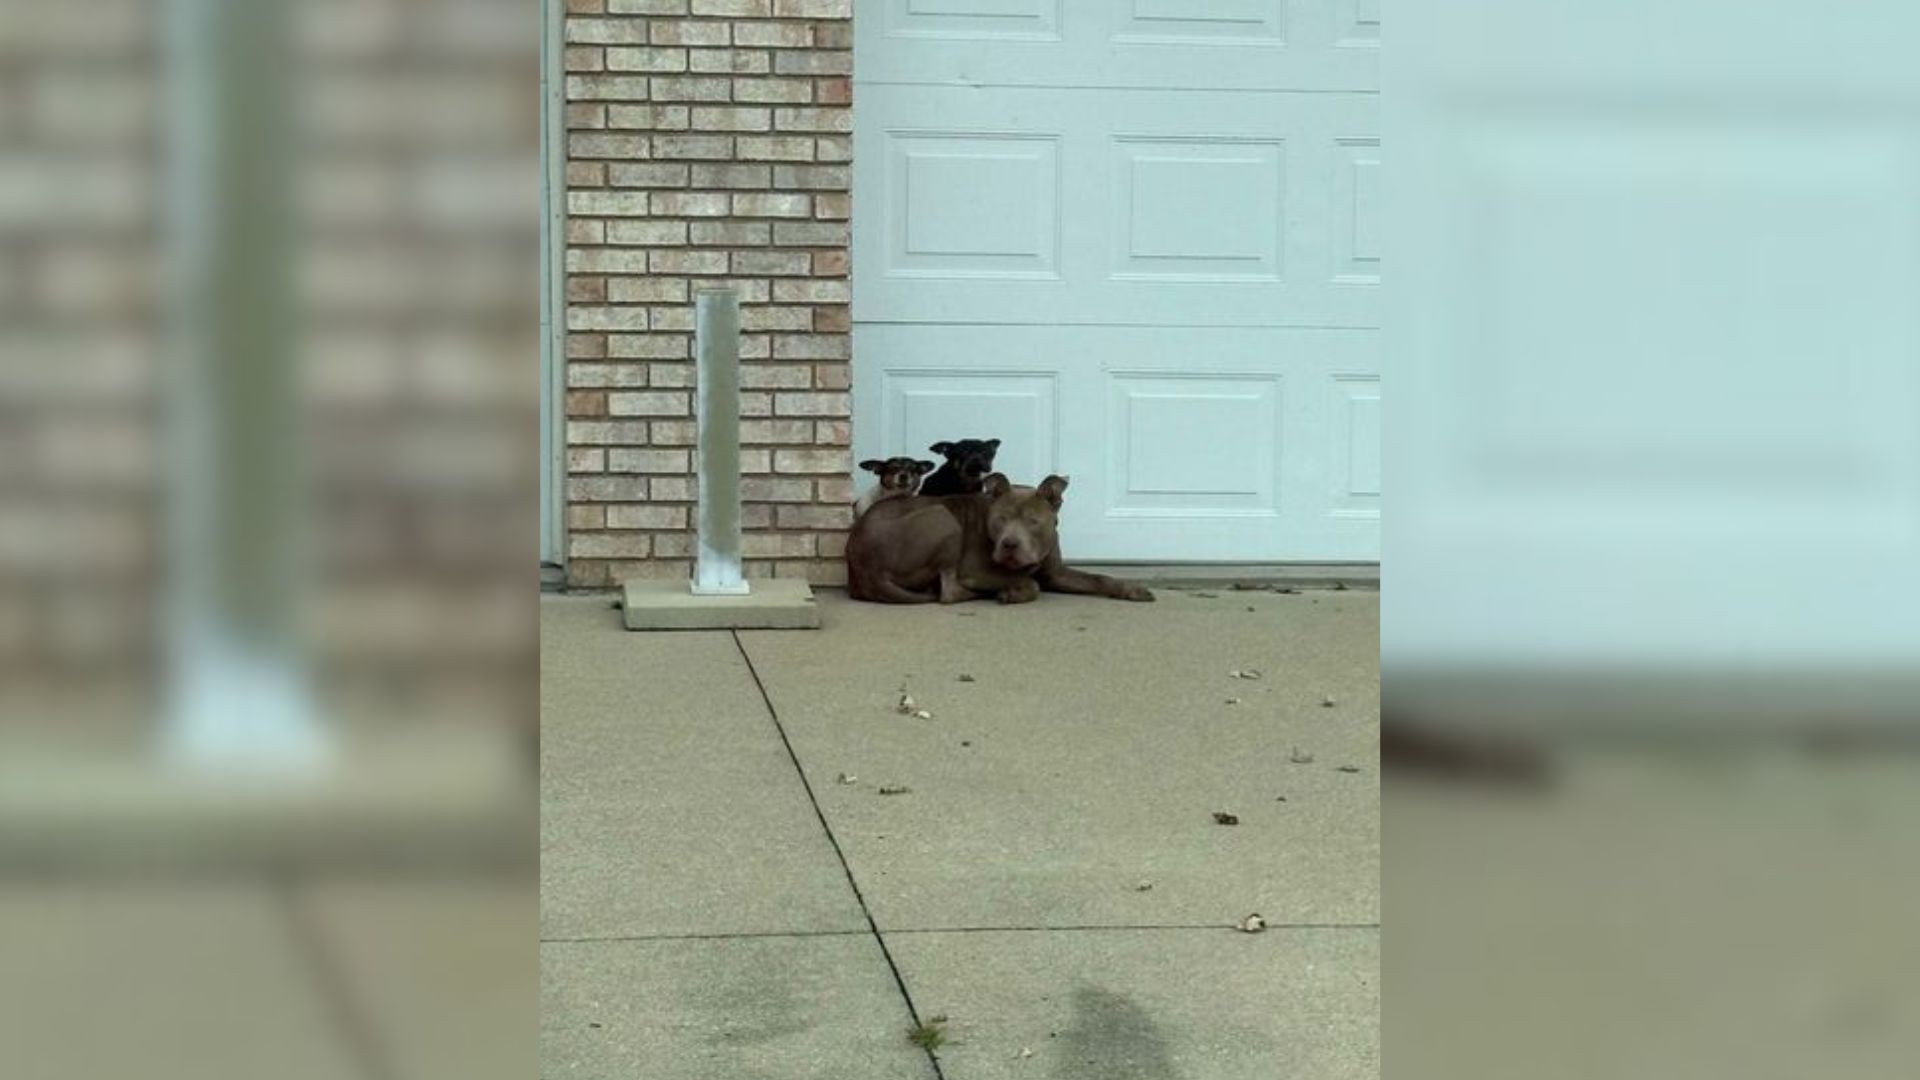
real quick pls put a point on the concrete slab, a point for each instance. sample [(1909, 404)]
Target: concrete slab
[(806, 1008), (1150, 1004), (169, 981), (1090, 753), (438, 969), (774, 604), (668, 802)]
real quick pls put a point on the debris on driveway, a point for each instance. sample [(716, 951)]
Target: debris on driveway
[(1221, 817), (1208, 595), (1349, 768), (1144, 886), (964, 677), (1237, 673), (846, 778), (1233, 701), (1300, 757), (895, 789), (1327, 702), (1252, 924), (909, 707)]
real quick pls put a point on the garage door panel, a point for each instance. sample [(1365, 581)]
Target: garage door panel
[(1152, 209), (1238, 44), (1185, 445)]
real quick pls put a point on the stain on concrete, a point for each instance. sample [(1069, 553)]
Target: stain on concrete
[(1111, 1038)]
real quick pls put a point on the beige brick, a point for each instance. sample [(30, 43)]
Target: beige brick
[(650, 403), (811, 291), (754, 462), (606, 261), (768, 489), (833, 148), (756, 317), (812, 177), (647, 7), (830, 263), (808, 404), (674, 433), (588, 574), (676, 318), (730, 61), (688, 204), (773, 204), (733, 233), (811, 461), (650, 117), (776, 35), (833, 433), (689, 32), (674, 545), (815, 517), (744, 8), (586, 346), (603, 145), (586, 115), (586, 174), (586, 517), (732, 176), (650, 346), (833, 545), (586, 232), (606, 375), (773, 432), (813, 9), (775, 148), (650, 174), (813, 119), (692, 147), (833, 35), (773, 263), (836, 491), (585, 460), (832, 377), (586, 290), (776, 545), (581, 317), (607, 31), (814, 61), (586, 403), (649, 461), (586, 7), (834, 91), (669, 375), (672, 489), (829, 574), (773, 91), (664, 61), (653, 568), (756, 517), (755, 347), (606, 489), (683, 261), (701, 88), (646, 517), (776, 377), (606, 87), (585, 58), (730, 118), (810, 347), (609, 545), (833, 207), (607, 203), (648, 290), (809, 234)]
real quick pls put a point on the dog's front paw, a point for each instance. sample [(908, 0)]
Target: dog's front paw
[(1137, 593), (1022, 593)]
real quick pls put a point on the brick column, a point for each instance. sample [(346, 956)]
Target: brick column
[(709, 142)]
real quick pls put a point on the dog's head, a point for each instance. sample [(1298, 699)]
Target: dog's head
[(1023, 523), (971, 458), (898, 473)]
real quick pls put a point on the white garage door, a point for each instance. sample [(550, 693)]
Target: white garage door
[(1136, 241)]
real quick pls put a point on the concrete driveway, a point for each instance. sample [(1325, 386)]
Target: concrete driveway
[(754, 866)]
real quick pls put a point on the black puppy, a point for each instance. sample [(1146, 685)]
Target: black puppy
[(968, 463)]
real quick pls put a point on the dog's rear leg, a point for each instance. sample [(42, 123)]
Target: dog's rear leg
[(884, 590), (951, 591)]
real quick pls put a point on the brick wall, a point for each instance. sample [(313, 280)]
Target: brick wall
[(709, 142)]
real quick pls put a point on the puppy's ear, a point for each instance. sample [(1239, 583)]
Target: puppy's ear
[(941, 448), (922, 468), (993, 444), (996, 485), (874, 465), (1052, 489)]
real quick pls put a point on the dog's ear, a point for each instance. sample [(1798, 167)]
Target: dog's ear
[(941, 448), (922, 468), (993, 444), (1052, 489), (996, 485), (874, 465)]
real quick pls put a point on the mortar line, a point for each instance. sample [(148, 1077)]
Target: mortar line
[(913, 1011)]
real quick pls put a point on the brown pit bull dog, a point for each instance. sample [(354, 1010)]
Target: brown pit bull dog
[(1002, 542)]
